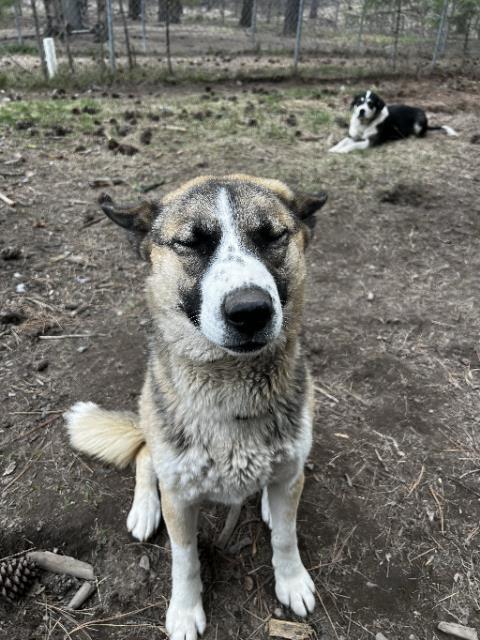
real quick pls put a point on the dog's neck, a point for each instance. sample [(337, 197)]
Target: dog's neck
[(248, 381), (362, 131)]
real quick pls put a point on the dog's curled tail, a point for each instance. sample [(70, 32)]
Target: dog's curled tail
[(111, 436), (448, 130)]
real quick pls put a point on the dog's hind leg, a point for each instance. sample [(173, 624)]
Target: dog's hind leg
[(145, 514), (293, 585), (266, 516), (185, 615)]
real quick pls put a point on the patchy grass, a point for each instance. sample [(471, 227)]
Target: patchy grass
[(49, 113)]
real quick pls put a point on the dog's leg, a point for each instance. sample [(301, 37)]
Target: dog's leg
[(340, 145), (145, 514), (351, 145), (185, 615), (293, 585)]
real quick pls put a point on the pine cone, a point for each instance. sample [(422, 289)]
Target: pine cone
[(16, 576)]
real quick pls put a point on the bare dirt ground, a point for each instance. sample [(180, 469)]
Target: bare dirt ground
[(389, 521)]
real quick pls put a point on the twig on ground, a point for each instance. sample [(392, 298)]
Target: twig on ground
[(67, 335), (458, 630), (439, 507), (230, 524), (289, 630), (417, 482), (7, 200), (325, 608), (81, 595), (62, 564)]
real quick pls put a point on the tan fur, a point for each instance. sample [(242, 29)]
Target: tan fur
[(270, 184), (180, 529), (111, 436)]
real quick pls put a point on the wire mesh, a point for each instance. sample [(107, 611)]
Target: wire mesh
[(235, 38)]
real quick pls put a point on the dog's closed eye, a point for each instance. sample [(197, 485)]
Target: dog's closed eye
[(197, 240), (268, 236)]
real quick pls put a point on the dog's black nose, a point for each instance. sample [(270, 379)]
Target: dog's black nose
[(361, 113), (248, 309)]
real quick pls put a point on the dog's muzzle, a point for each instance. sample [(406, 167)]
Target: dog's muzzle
[(248, 314)]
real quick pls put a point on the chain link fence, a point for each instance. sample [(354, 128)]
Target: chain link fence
[(239, 38)]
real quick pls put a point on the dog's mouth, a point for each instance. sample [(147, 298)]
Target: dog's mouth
[(246, 347)]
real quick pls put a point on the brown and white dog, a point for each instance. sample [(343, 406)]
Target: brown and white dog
[(226, 408)]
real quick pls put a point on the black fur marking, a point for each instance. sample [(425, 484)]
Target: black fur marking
[(191, 302)]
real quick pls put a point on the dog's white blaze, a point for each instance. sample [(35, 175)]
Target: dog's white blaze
[(232, 268)]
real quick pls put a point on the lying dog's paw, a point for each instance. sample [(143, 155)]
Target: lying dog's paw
[(185, 623), (266, 516), (296, 591), (145, 515)]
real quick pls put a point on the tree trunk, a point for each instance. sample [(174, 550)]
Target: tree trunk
[(337, 13), (362, 24), (72, 11), (441, 28), (100, 28), (290, 21), (51, 26), (134, 9), (247, 13), (313, 10), (172, 12)]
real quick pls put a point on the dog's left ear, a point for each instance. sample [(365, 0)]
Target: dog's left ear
[(136, 219), (305, 206)]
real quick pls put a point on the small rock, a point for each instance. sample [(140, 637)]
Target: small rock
[(475, 139), (291, 120)]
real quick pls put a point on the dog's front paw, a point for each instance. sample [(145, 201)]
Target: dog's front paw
[(295, 590), (145, 515), (184, 623)]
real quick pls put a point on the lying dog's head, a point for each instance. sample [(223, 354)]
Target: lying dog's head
[(227, 260), (366, 106)]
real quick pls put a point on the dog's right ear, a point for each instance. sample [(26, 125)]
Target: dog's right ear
[(136, 219), (354, 100)]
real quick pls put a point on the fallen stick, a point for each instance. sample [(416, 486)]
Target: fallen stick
[(230, 524), (290, 630), (62, 564), (67, 335), (458, 630), (6, 200), (81, 595)]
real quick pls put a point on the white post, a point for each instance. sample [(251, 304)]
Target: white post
[(50, 56)]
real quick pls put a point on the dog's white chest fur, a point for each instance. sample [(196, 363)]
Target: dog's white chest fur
[(228, 461)]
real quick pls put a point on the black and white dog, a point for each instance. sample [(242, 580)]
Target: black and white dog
[(373, 123)]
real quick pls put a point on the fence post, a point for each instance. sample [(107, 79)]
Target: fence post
[(254, 24), (111, 42), (298, 37), (50, 56)]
